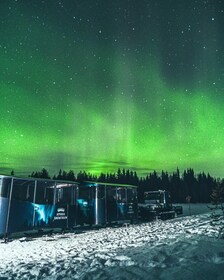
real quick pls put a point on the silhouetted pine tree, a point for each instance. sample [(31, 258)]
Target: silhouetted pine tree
[(203, 190), (217, 196), (59, 177), (102, 178), (71, 176), (176, 184), (42, 174)]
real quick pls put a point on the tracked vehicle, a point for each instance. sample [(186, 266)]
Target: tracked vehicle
[(158, 205)]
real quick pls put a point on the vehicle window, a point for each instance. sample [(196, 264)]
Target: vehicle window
[(101, 192), (131, 195), (85, 192), (23, 190), (5, 184), (45, 192), (111, 193), (121, 195), (63, 193)]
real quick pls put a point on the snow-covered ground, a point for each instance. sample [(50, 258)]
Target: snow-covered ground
[(182, 248), (195, 208)]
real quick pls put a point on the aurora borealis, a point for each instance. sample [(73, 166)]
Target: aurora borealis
[(98, 85)]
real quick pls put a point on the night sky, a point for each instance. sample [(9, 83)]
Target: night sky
[(98, 85)]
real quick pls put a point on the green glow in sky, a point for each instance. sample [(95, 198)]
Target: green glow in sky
[(96, 92)]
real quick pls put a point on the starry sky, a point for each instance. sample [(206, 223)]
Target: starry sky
[(98, 85)]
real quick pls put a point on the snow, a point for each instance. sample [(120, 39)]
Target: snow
[(182, 248), (193, 208)]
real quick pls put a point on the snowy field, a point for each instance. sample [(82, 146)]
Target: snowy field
[(195, 209), (182, 248)]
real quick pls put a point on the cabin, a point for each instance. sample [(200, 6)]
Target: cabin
[(30, 203)]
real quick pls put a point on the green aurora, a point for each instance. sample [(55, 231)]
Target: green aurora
[(78, 96)]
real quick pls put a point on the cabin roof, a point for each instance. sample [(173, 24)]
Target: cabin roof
[(39, 179), (107, 184), (85, 183)]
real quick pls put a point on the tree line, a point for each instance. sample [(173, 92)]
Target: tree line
[(196, 187)]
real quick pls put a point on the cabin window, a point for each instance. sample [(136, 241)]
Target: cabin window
[(45, 192), (131, 195), (111, 194), (85, 193), (101, 192), (5, 184), (23, 190), (121, 195), (63, 194)]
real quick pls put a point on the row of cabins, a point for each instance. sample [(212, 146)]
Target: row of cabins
[(27, 204)]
